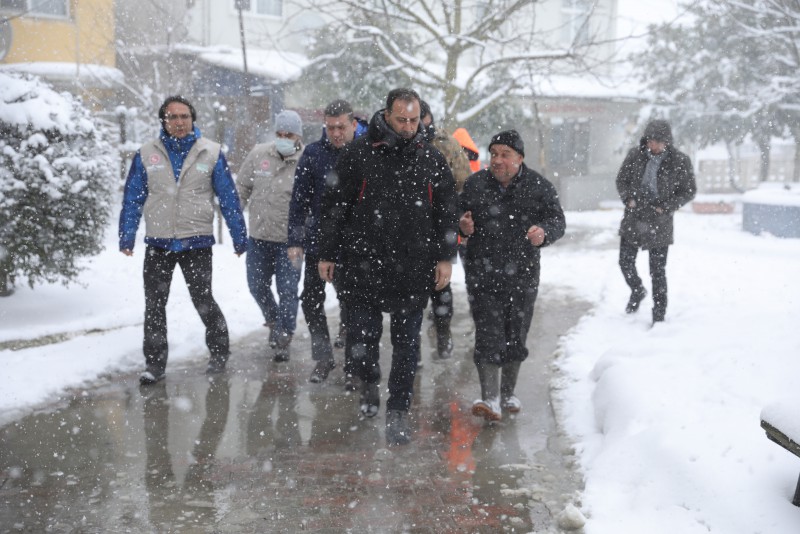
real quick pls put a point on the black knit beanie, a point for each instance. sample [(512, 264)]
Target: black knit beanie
[(510, 138)]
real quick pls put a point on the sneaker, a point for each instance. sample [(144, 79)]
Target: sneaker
[(637, 296), (151, 375), (512, 404), (321, 371), (488, 409), (397, 429), (370, 399), (350, 382)]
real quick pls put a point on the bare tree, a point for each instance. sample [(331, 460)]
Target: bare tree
[(473, 53)]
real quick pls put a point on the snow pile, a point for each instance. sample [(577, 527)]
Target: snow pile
[(666, 418)]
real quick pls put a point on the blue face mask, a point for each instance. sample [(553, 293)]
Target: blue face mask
[(285, 147)]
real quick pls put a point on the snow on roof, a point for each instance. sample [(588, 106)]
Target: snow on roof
[(274, 64), (587, 86), (88, 74)]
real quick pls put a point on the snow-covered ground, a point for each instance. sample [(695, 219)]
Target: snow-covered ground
[(665, 419)]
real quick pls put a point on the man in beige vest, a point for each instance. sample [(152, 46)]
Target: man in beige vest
[(172, 181)]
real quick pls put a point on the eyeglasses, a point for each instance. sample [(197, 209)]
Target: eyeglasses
[(179, 117)]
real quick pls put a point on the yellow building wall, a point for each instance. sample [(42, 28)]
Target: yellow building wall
[(87, 36)]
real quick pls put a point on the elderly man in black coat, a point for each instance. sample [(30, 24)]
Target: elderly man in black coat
[(510, 212), (655, 180), (389, 229)]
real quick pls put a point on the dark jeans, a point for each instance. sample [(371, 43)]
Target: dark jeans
[(313, 303), (266, 259), (658, 272), (365, 327), (502, 321), (159, 265)]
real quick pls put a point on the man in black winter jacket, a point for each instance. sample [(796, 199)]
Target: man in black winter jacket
[(655, 180), (390, 222), (509, 213)]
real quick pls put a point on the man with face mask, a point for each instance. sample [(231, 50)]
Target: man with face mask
[(389, 229), (265, 184)]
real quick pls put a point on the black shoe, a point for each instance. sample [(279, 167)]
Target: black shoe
[(397, 429), (444, 345), (637, 296), (215, 366), (321, 371), (350, 382), (151, 375), (370, 399), (340, 339), (282, 342)]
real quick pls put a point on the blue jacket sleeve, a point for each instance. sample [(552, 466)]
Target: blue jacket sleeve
[(132, 203), (302, 196), (225, 190)]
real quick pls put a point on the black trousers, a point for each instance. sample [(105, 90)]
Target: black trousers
[(365, 327), (502, 321), (313, 305), (658, 272), (159, 265)]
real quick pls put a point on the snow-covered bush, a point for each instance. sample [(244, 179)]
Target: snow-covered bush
[(56, 176)]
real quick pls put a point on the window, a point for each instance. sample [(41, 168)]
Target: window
[(52, 8), (569, 146), (261, 7), (574, 15)]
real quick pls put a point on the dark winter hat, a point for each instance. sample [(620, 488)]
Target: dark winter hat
[(510, 138), (658, 130), (289, 121)]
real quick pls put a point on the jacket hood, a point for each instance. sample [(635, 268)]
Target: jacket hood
[(658, 130), (380, 133), (465, 140)]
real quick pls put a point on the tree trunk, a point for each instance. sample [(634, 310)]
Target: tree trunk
[(5, 284)]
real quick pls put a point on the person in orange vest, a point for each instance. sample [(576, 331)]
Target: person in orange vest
[(470, 148)]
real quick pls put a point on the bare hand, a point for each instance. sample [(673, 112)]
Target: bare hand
[(536, 235), (127, 252), (466, 224), (325, 269), (295, 256), (442, 274), (659, 211), (631, 203)]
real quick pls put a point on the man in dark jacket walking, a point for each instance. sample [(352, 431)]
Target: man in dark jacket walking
[(390, 221), (655, 180), (509, 213), (314, 170), (172, 182)]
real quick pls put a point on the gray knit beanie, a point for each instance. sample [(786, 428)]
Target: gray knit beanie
[(289, 121)]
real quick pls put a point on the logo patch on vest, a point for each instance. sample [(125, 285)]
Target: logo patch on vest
[(265, 165), (202, 167), (154, 159)]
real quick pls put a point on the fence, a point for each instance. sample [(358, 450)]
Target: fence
[(713, 176)]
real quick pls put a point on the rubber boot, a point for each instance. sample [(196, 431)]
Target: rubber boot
[(508, 381)]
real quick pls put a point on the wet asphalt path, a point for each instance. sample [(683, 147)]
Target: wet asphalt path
[(260, 449)]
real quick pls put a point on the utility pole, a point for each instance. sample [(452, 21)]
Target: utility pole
[(240, 5)]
